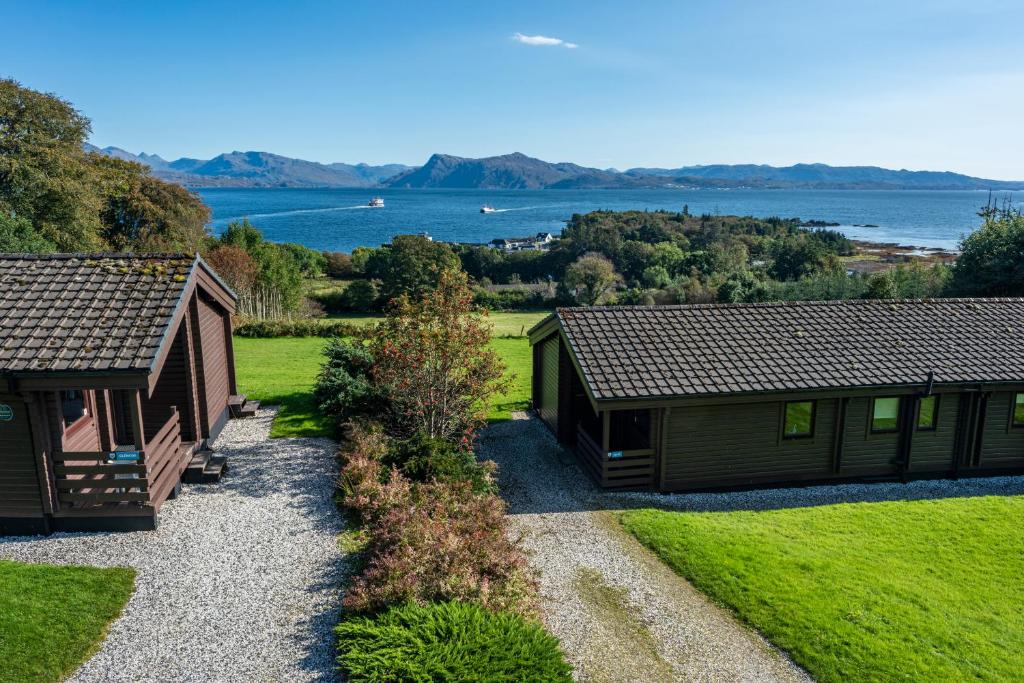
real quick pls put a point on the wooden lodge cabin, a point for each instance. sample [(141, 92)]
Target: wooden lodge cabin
[(677, 398), (115, 371)]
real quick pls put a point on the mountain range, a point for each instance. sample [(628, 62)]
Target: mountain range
[(518, 171)]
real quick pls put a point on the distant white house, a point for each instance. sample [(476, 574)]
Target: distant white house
[(541, 241)]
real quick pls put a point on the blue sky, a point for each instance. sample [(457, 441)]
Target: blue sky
[(921, 85)]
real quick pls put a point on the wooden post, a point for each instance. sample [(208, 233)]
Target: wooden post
[(839, 436), (138, 426), (43, 450), (105, 420), (606, 432), (663, 447)]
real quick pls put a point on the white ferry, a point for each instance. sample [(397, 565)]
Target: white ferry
[(376, 203)]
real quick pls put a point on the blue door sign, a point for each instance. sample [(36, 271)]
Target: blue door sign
[(6, 413)]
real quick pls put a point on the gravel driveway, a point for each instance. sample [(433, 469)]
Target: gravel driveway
[(620, 613), (239, 582)]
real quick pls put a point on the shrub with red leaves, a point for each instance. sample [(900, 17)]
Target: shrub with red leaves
[(441, 541)]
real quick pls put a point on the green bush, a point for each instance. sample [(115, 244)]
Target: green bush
[(343, 388), (361, 296), (509, 299), (423, 459), (448, 641), (303, 327)]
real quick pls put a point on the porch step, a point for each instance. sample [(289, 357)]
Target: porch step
[(249, 408), (241, 406), (235, 404), (216, 468), (205, 468)]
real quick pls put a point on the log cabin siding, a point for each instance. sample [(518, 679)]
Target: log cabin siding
[(171, 391), (215, 379), (549, 385), (19, 484), (1002, 444), (741, 444), (933, 451), (866, 454)]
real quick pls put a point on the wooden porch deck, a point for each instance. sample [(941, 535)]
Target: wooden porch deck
[(89, 483)]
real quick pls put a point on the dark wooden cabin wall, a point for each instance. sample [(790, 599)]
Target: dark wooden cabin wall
[(170, 390), (216, 382), (932, 451), (549, 389), (739, 444), (19, 481), (1002, 445), (864, 453)]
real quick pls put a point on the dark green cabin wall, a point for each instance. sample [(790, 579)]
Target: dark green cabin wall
[(737, 445), (19, 482), (864, 453), (1002, 445), (548, 407), (933, 451)]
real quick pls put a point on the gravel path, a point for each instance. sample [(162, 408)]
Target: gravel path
[(620, 614), (239, 582)]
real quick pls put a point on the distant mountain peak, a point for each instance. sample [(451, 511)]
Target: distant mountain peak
[(517, 170)]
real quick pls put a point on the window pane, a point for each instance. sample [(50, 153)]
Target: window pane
[(799, 419), (926, 416), (1018, 409), (887, 411)]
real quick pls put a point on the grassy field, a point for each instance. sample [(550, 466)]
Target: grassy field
[(512, 324), (53, 618), (282, 371), (920, 590)]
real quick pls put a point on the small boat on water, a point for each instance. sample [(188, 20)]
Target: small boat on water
[(487, 208), (376, 203)]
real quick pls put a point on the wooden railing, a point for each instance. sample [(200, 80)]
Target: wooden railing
[(86, 478), (634, 469)]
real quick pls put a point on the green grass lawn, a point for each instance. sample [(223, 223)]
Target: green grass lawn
[(927, 590), (54, 618), (515, 351), (512, 324), (281, 371)]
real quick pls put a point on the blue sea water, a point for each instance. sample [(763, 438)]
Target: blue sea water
[(338, 220)]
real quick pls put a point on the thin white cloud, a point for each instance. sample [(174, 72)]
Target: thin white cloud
[(543, 40)]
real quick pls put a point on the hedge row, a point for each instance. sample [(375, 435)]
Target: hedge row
[(441, 570), (296, 328)]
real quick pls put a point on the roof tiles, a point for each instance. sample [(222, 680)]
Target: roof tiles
[(672, 351), (77, 312)]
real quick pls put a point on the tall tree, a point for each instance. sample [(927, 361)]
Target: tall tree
[(83, 201), (589, 278), (991, 261), (411, 265), (45, 176), (432, 357)]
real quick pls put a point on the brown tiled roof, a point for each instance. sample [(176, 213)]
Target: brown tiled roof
[(80, 312), (676, 351)]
